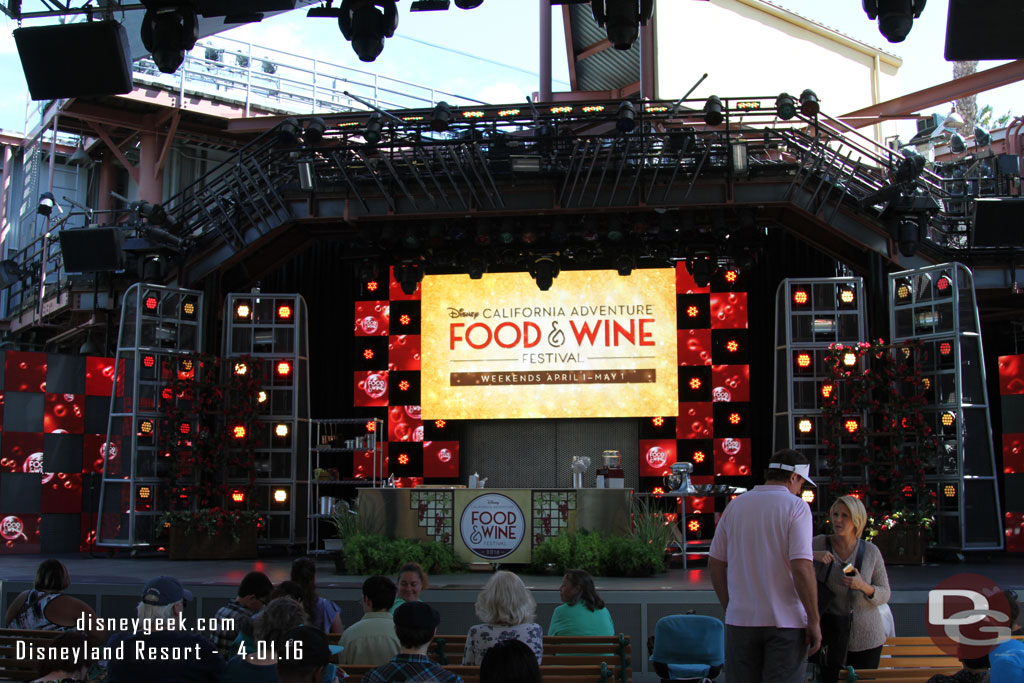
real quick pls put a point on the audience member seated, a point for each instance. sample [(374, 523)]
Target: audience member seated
[(253, 594), (507, 609), (1003, 664), (323, 613), (188, 657), (510, 661), (252, 664), (66, 668), (372, 639), (305, 657), (287, 589), (415, 625), (45, 607), (412, 581), (583, 612)]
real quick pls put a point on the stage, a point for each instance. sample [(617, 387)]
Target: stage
[(112, 586)]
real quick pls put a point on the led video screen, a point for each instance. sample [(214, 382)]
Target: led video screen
[(596, 344)]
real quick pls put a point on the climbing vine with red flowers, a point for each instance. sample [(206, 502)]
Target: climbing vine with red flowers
[(875, 426), (210, 410)]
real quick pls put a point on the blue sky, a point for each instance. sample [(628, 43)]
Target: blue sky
[(505, 31)]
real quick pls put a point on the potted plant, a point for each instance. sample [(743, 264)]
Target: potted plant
[(321, 474), (345, 522), (212, 534)]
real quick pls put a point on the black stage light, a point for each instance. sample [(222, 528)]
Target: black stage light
[(624, 264), (701, 267), (623, 19), (909, 167), (982, 136), (544, 270), (785, 106), (910, 230), (442, 117), (809, 105), (895, 17), (409, 276), (374, 125), (288, 131), (315, 128), (168, 33), (957, 144), (626, 120), (713, 111), (476, 266), (46, 203), (366, 23)]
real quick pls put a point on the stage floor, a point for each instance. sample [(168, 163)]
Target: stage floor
[(113, 585)]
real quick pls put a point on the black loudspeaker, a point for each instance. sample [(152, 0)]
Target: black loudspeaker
[(987, 29), (75, 60), (998, 222), (90, 250)]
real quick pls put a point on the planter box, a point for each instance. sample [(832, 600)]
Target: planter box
[(902, 544), (218, 546), (334, 544)]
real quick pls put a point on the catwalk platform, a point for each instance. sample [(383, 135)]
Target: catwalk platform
[(112, 586)]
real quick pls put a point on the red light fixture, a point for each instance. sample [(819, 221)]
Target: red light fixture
[(403, 385), (851, 426), (238, 432), (694, 383), (732, 275), (734, 418), (693, 525), (440, 424), (243, 311), (167, 394), (803, 360), (371, 426), (692, 311), (699, 457), (148, 361), (658, 491), (907, 491), (945, 348), (732, 346), (404, 319), (151, 302), (944, 285), (826, 390), (284, 312), (241, 369), (657, 421), (284, 368), (238, 496), (185, 428), (372, 286), (145, 492), (403, 459), (800, 297), (368, 354), (146, 427)]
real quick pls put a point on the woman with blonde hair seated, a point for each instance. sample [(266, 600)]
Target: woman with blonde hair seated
[(507, 610)]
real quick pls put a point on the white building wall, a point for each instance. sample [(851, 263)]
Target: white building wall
[(751, 49)]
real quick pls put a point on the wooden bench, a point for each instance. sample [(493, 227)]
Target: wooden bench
[(564, 657), (550, 673), (11, 667), (913, 658)]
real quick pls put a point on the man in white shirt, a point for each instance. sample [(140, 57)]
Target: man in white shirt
[(761, 569)]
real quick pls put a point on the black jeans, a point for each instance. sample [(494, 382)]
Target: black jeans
[(862, 659)]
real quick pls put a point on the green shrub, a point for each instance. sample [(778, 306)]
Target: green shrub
[(371, 554), (600, 555)]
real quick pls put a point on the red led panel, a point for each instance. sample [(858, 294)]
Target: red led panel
[(730, 383), (62, 493), (694, 347), (695, 420), (685, 283), (21, 452), (362, 464), (441, 459), (371, 389), (64, 414), (732, 457), (372, 318), (404, 352), (19, 533), (1011, 375), (404, 423), (1013, 453), (656, 457), (24, 371), (729, 310), (1015, 532)]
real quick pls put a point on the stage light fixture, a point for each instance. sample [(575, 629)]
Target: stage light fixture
[(366, 23), (851, 426), (658, 421), (944, 285), (785, 106), (803, 360), (982, 137), (699, 457), (626, 118), (800, 297), (243, 311), (949, 491), (409, 276), (945, 349), (468, 4), (732, 275), (168, 32), (807, 495), (281, 430), (189, 308), (622, 19), (948, 419), (624, 264), (439, 424), (544, 270), (284, 368), (370, 426), (701, 267), (368, 354), (895, 17), (442, 117), (404, 319), (658, 491), (146, 427), (374, 126), (909, 235), (909, 167), (693, 525), (847, 297), (692, 311), (805, 426), (957, 144), (261, 397), (46, 204), (713, 111), (151, 302), (238, 496), (827, 389), (849, 359), (241, 369), (148, 361), (280, 495), (809, 105), (238, 432), (284, 312), (145, 492), (314, 132), (476, 266), (695, 383), (732, 346), (904, 290), (185, 428)]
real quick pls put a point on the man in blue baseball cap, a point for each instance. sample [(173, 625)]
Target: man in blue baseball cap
[(162, 649)]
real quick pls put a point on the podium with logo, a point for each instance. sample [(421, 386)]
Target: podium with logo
[(494, 525)]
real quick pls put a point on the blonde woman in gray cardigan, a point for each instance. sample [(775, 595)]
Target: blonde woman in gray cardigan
[(861, 591)]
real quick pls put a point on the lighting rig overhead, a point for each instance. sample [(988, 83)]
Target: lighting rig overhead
[(364, 23), (169, 30), (895, 17), (622, 19)]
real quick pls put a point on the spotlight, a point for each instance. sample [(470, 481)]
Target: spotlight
[(280, 495), (288, 131), (957, 144), (847, 297), (944, 285), (713, 109), (981, 137), (785, 106), (909, 167), (624, 264), (626, 121), (807, 495), (809, 105), (909, 235), (701, 267), (904, 290), (622, 19), (314, 132), (409, 276), (800, 297), (476, 266), (442, 117), (374, 126), (544, 270), (46, 204), (366, 23), (168, 32), (895, 17)]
